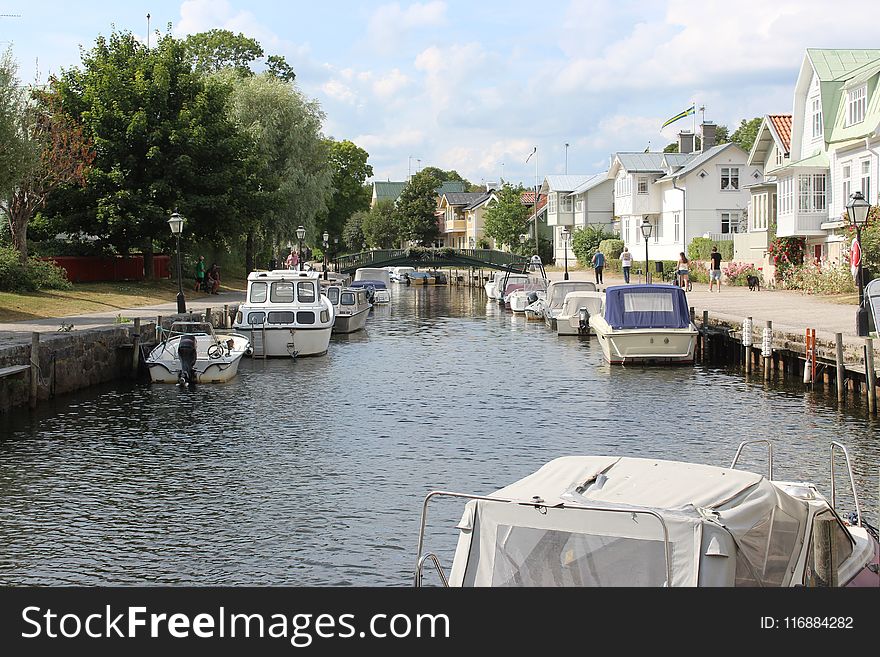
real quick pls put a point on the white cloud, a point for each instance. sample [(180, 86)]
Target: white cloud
[(390, 24), (391, 139), (339, 91), (391, 84)]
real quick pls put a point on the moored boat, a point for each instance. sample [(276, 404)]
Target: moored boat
[(351, 308), (284, 314), (577, 308), (555, 296), (646, 324), (191, 352), (376, 280), (590, 521)]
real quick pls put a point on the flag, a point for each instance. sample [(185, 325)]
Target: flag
[(670, 132)]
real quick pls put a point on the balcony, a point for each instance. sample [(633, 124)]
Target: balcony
[(454, 225), (800, 224)]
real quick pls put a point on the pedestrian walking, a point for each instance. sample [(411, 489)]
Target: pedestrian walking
[(626, 263), (598, 263), (715, 269), (683, 271), (200, 274)]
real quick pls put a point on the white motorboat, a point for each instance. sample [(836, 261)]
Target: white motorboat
[(496, 288), (577, 308), (556, 292), (646, 324), (398, 274), (191, 352), (284, 314), (376, 280), (590, 521), (531, 292), (351, 308)]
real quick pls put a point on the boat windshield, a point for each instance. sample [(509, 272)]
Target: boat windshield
[(189, 328), (333, 295)]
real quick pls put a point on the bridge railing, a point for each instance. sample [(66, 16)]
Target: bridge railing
[(436, 257)]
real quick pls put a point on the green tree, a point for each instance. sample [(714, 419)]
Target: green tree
[(216, 49), (507, 218), (64, 157), (163, 142), (379, 226), (17, 155), (353, 233), (415, 209), (448, 176), (348, 163), (278, 67), (744, 136), (288, 169), (585, 241)]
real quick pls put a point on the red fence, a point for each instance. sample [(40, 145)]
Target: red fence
[(87, 269)]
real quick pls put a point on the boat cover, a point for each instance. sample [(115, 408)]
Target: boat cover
[(557, 290), (646, 306), (596, 526), (378, 285), (872, 294)]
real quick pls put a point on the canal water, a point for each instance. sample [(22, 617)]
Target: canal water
[(313, 472)]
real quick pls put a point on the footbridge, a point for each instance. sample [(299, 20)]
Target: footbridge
[(431, 257)]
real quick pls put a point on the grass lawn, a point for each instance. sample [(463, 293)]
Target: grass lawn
[(87, 298)]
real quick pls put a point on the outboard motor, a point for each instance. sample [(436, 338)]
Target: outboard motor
[(583, 321), (531, 297), (407, 279), (371, 294), (186, 354)]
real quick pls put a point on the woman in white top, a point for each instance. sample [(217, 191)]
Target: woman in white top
[(683, 270)]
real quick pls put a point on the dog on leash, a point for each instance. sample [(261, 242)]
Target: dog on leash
[(754, 283)]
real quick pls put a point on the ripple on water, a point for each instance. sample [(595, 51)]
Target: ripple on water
[(313, 472)]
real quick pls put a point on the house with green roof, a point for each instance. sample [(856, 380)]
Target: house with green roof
[(391, 190), (835, 147)]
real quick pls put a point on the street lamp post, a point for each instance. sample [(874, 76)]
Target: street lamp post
[(336, 252), (566, 236), (176, 225), (326, 237), (857, 210), (646, 233), (300, 236)]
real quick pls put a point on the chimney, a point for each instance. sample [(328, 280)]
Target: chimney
[(707, 129), (685, 142), (491, 186)]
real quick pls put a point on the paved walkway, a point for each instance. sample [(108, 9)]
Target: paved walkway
[(17, 331)]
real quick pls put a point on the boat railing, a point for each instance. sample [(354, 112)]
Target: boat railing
[(852, 481), (756, 442), (538, 504)]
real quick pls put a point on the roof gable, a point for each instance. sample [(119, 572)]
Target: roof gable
[(839, 64)]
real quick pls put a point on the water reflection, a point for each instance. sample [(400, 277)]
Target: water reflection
[(312, 472)]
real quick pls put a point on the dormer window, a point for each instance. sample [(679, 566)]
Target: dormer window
[(857, 103), (778, 157)]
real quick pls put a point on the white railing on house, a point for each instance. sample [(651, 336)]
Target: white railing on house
[(721, 237)]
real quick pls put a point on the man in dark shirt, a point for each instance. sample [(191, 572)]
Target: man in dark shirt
[(715, 269), (598, 263)]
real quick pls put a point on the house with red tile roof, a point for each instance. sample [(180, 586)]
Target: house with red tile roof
[(770, 151)]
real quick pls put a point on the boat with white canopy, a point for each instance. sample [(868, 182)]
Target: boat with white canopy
[(591, 521), (645, 323), (191, 352), (376, 280), (573, 317), (556, 292)]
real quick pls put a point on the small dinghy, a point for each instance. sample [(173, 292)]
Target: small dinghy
[(190, 353)]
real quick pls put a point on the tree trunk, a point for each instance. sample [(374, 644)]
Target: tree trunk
[(249, 252), (18, 229), (149, 269)]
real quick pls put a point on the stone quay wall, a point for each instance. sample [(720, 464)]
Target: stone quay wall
[(69, 361)]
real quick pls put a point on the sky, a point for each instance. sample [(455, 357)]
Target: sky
[(476, 86)]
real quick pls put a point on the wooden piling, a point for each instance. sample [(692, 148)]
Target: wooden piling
[(209, 316), (870, 380), (705, 350), (225, 315), (747, 342), (841, 370), (135, 347), (35, 368), (768, 358)]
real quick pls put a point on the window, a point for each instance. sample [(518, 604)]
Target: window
[(847, 182), (856, 105), (623, 185), (760, 212), (786, 192), (552, 202), (643, 185), (676, 222), (866, 179), (638, 231), (282, 292), (730, 178), (811, 192), (256, 318), (579, 204), (305, 292), (333, 295), (729, 222), (658, 230), (626, 230), (279, 317), (566, 203), (779, 159), (305, 317), (348, 299), (258, 292), (817, 118)]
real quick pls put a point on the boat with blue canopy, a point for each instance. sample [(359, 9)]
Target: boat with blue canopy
[(645, 323)]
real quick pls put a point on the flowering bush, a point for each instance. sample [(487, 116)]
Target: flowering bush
[(870, 239), (786, 252), (819, 278), (737, 273)]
